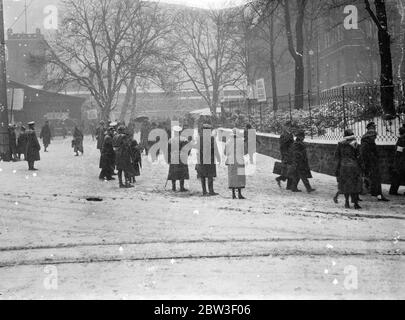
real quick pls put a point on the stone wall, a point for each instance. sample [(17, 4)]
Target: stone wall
[(321, 154)]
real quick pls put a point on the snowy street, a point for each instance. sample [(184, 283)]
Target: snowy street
[(148, 242)]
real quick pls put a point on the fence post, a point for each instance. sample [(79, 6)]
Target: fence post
[(344, 107), (290, 106), (310, 113)]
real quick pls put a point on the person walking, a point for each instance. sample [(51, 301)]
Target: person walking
[(398, 169), (32, 148), (21, 143), (207, 170), (371, 162), (178, 170), (107, 159), (348, 169), (46, 135), (236, 164), (286, 142), (77, 142), (299, 170)]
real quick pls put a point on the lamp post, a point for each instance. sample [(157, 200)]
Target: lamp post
[(4, 135)]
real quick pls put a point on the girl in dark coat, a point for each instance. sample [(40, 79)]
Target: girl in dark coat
[(33, 147), (107, 159), (46, 135), (299, 170), (136, 158), (77, 142), (348, 169)]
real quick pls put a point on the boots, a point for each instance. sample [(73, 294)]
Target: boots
[(240, 194), (182, 189), (211, 187), (204, 186), (233, 194), (174, 185)]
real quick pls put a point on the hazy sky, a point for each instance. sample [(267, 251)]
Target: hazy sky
[(208, 4)]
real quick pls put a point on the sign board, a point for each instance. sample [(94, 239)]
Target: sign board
[(15, 99), (261, 90)]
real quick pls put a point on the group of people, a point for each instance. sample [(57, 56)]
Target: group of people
[(357, 165), (120, 151)]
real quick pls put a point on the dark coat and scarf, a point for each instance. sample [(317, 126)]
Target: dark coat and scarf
[(207, 170), (122, 148), (178, 170), (46, 135), (299, 161), (348, 169), (33, 147)]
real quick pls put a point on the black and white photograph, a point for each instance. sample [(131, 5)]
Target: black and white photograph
[(203, 150)]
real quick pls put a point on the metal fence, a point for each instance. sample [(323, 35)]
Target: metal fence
[(325, 115)]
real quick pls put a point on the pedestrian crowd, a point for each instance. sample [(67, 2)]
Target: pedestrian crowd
[(357, 165)]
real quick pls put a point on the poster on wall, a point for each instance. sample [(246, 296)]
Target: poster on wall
[(15, 99), (261, 90)]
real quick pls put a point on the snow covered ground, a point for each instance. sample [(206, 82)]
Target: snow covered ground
[(149, 242)]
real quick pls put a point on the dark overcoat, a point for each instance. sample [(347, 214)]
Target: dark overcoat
[(300, 164), (207, 170), (348, 169), (46, 135), (77, 142), (33, 147), (100, 135), (399, 158), (12, 141), (178, 170), (122, 148), (107, 159), (22, 143), (136, 157), (286, 142)]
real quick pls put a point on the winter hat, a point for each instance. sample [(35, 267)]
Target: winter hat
[(371, 125)]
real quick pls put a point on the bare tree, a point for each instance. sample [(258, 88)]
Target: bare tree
[(101, 44), (296, 50), (207, 51)]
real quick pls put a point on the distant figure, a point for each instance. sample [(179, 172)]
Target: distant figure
[(348, 170), (64, 130), (46, 135), (12, 142), (236, 164), (122, 148), (77, 142), (22, 143), (300, 166), (399, 164), (371, 161), (33, 147)]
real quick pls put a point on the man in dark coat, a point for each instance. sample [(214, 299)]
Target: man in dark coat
[(33, 147), (371, 162), (12, 142), (46, 135), (107, 159), (122, 148), (399, 164), (207, 170), (348, 169), (21, 142), (286, 142), (299, 170), (178, 170)]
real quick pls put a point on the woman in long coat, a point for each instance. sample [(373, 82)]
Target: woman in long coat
[(234, 151), (178, 170), (77, 142), (32, 148), (348, 169), (136, 158), (107, 159)]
